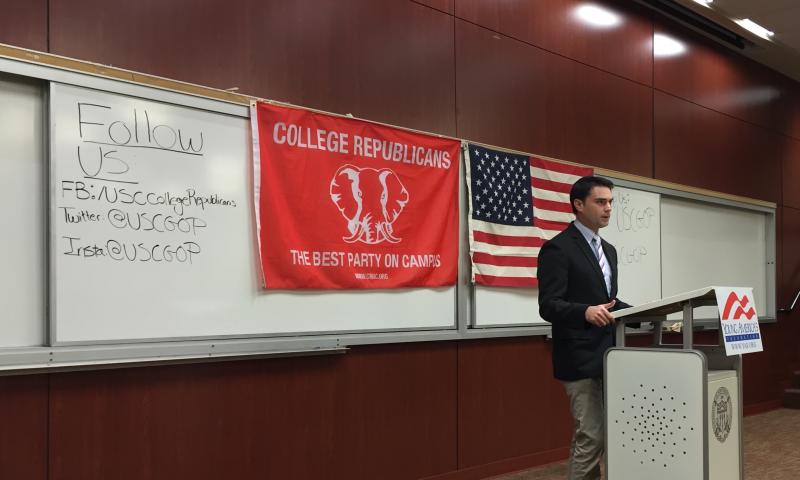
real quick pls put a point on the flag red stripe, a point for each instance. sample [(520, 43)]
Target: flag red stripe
[(545, 225), (551, 205), (550, 185), (560, 167), (507, 240), (493, 281), (504, 261)]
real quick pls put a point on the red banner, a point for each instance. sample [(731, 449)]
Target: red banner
[(345, 203)]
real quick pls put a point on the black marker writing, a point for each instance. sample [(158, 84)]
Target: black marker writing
[(132, 251), (101, 124), (158, 222)]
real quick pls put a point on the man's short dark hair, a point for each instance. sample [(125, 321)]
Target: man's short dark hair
[(581, 189)]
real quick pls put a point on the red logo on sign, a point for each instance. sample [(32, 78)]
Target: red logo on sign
[(740, 304)]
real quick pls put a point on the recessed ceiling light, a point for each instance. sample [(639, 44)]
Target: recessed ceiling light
[(665, 46), (705, 3), (597, 16), (752, 26)]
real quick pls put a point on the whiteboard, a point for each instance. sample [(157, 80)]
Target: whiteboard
[(506, 306), (713, 245), (152, 233), (635, 231), (22, 173)]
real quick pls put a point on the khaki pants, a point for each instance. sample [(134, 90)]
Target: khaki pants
[(586, 451)]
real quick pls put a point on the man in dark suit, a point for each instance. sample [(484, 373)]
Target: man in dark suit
[(577, 292)]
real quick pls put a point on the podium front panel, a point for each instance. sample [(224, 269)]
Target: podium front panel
[(655, 411)]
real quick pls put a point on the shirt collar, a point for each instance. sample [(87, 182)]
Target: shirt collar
[(586, 232)]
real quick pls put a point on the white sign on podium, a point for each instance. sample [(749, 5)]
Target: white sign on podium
[(738, 320)]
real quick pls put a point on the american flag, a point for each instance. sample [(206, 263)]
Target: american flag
[(516, 204)]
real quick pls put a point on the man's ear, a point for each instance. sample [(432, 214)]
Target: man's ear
[(578, 204)]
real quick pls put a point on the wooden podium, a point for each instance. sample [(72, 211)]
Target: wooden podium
[(672, 410)]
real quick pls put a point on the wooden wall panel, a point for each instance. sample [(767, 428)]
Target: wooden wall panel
[(376, 412), (791, 173), (23, 23), (385, 61), (699, 147), (765, 373), (719, 79), (23, 427), (509, 403), (446, 6), (624, 49), (790, 281), (779, 241), (794, 121), (513, 95)]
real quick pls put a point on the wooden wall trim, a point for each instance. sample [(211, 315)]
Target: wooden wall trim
[(71, 64)]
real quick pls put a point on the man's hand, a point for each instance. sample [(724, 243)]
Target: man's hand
[(599, 315)]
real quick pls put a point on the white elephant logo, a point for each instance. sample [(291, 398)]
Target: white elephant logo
[(370, 200)]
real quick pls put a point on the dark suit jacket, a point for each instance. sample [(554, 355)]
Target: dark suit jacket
[(570, 280)]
